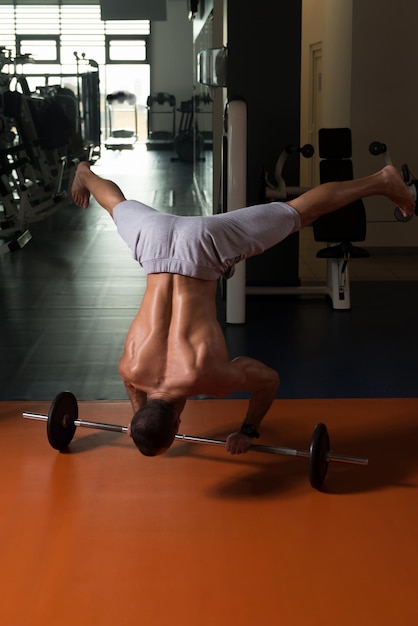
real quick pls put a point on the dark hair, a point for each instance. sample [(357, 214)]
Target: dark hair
[(153, 427)]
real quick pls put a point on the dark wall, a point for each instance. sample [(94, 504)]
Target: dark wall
[(264, 59)]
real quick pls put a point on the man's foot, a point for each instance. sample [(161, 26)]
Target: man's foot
[(397, 191), (79, 192)]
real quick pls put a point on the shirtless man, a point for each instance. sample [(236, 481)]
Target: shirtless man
[(175, 347)]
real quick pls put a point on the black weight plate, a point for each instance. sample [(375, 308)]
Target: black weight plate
[(60, 426), (400, 217), (308, 150), (318, 463)]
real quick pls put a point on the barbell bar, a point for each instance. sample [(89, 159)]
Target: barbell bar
[(62, 422)]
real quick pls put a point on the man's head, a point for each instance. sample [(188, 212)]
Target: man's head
[(154, 426)]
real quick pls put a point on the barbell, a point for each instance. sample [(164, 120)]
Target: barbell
[(62, 422)]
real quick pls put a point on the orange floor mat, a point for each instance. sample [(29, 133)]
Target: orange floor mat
[(101, 535)]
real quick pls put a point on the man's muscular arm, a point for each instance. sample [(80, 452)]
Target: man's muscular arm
[(137, 397), (262, 382)]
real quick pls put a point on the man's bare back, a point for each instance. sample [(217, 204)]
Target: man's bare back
[(175, 346), (175, 338)]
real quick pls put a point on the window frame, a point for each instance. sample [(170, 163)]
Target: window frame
[(110, 38), (29, 37)]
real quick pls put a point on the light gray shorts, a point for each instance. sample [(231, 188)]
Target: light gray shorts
[(202, 247)]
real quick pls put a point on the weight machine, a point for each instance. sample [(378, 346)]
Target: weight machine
[(189, 143), (346, 225), (119, 104), (337, 230), (40, 143), (161, 105)]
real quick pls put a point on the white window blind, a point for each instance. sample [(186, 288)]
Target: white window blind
[(78, 26)]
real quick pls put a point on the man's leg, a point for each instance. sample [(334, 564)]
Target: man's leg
[(86, 183), (329, 197)]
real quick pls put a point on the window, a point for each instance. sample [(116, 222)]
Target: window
[(65, 41), (125, 49), (7, 29), (41, 48), (52, 32)]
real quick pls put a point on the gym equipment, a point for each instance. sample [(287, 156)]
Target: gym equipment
[(345, 226), (377, 148), (91, 124), (188, 143), (338, 229), (281, 191), (348, 224), (88, 96), (319, 456), (160, 105), (43, 134), (121, 103), (62, 421), (204, 129), (36, 168)]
